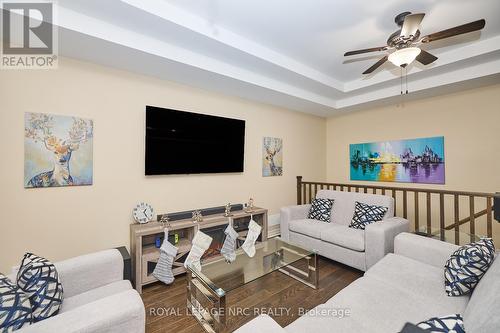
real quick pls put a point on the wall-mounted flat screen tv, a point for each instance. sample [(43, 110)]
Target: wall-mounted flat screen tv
[(179, 142)]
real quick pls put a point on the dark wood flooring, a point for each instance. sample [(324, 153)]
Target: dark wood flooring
[(166, 305)]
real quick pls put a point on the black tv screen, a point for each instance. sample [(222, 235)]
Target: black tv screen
[(179, 142)]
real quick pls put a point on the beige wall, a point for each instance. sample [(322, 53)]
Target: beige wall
[(63, 222), (469, 122)]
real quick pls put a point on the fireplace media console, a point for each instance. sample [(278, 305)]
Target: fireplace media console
[(145, 254)]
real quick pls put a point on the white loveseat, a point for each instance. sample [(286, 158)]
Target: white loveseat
[(96, 298), (357, 248), (407, 286)]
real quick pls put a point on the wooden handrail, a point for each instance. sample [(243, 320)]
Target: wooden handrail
[(307, 190), (409, 189), (472, 217)]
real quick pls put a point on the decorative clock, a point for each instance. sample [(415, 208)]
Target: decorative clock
[(143, 213)]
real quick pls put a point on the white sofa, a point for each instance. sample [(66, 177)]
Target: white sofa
[(407, 286), (360, 249), (96, 298)]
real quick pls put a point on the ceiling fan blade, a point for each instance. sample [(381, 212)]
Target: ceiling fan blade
[(376, 65), (411, 24), (425, 58), (373, 49), (458, 30)]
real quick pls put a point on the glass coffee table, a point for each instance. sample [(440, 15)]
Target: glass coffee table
[(450, 236), (206, 290)]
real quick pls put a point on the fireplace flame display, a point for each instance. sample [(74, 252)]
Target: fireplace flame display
[(218, 236)]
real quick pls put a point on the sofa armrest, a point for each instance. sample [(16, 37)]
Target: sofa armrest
[(424, 249), (83, 273), (291, 213), (379, 238), (119, 313), (261, 324)]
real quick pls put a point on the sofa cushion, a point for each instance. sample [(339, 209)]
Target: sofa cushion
[(344, 204), (446, 324), (323, 319), (15, 306), (261, 324), (467, 266), (366, 214), (385, 308), (374, 306), (92, 295), (423, 281), (344, 236), (309, 227), (38, 278), (481, 314), (321, 210)]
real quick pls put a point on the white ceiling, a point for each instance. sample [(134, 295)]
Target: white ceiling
[(283, 52)]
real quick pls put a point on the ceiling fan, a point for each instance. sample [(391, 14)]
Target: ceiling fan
[(406, 41)]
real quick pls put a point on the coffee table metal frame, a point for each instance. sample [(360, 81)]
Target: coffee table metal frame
[(207, 302)]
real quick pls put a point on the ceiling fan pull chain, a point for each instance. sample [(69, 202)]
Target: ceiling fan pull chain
[(401, 79), (406, 79)]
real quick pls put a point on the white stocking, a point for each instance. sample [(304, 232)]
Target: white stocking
[(163, 269), (253, 233), (201, 242), (229, 247)]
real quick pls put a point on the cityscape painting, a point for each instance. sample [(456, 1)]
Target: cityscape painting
[(409, 161)]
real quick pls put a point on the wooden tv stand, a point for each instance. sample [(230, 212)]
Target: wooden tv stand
[(145, 255)]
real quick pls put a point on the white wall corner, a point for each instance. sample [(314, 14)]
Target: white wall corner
[(273, 219)]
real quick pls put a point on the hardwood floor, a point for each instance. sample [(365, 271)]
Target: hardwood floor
[(166, 305)]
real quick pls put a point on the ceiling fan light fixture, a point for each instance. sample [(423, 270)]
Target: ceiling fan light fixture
[(404, 57)]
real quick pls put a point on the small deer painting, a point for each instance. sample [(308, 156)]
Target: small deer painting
[(272, 159), (58, 151)]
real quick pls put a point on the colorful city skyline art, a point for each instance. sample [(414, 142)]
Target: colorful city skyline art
[(410, 161)]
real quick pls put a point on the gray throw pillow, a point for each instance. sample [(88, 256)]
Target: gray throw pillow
[(321, 209), (446, 324), (15, 306), (366, 214), (38, 278), (467, 266)]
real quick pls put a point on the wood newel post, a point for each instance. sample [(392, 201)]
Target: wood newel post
[(299, 190), (489, 217)]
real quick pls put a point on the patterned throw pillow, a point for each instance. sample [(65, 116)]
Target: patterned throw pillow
[(15, 307), (467, 266), (38, 278), (447, 324), (321, 210), (365, 214)]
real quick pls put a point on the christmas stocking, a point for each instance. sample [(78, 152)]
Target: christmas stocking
[(253, 233), (201, 242), (163, 269), (229, 244)]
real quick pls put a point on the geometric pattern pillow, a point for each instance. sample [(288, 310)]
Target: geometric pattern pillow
[(365, 214), (467, 266), (15, 307), (447, 324), (321, 210), (38, 278)]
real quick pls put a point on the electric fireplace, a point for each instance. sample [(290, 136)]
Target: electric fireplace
[(218, 237)]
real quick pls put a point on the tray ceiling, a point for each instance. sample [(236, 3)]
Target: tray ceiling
[(286, 53)]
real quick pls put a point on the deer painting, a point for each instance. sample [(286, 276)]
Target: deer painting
[(61, 137), (273, 157)]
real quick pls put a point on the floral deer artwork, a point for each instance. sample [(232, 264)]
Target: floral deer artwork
[(42, 128), (273, 157)]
